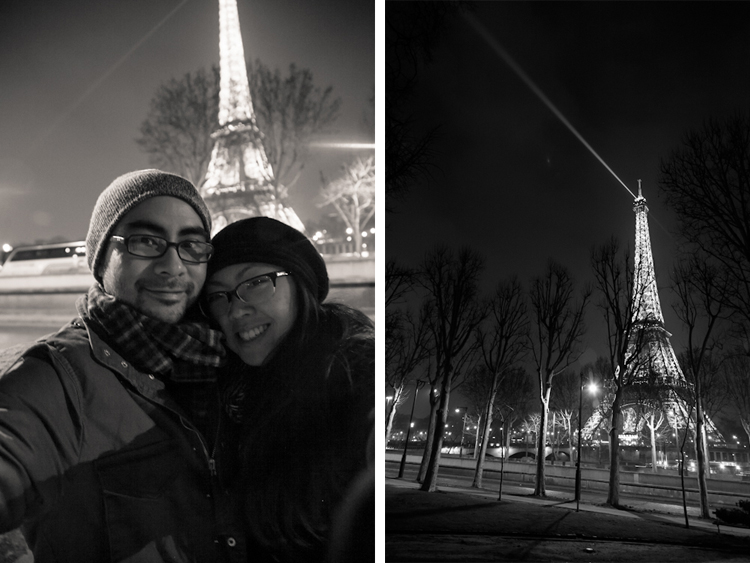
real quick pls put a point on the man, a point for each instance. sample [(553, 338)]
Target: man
[(110, 430)]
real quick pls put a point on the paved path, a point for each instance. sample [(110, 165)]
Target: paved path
[(463, 524)]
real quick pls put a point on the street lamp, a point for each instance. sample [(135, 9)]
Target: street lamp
[(463, 431), (417, 385), (592, 390)]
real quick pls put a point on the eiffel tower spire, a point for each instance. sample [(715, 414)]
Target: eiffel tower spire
[(234, 96), (239, 182)]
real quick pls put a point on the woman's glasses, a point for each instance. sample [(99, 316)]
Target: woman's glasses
[(254, 291)]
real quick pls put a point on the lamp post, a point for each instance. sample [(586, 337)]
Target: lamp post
[(463, 431), (417, 385), (592, 389)]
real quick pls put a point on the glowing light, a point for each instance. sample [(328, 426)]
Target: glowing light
[(349, 230), (372, 230), (367, 146), (7, 247), (503, 54)]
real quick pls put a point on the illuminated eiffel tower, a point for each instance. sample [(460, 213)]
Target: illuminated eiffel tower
[(657, 380), (657, 363), (239, 180)]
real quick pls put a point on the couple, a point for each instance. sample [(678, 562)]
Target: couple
[(151, 429)]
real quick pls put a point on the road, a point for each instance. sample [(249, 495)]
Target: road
[(456, 476)]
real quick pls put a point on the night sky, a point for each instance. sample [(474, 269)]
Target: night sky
[(513, 183), (77, 76)]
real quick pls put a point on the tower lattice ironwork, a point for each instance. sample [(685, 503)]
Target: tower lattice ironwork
[(239, 181), (656, 381), (656, 364)]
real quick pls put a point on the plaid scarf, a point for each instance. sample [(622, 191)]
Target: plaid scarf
[(185, 352)]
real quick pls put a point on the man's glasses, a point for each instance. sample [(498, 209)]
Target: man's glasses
[(254, 291), (150, 246)]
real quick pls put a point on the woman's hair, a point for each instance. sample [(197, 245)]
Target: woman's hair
[(308, 426)]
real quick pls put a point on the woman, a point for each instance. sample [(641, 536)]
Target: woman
[(299, 381)]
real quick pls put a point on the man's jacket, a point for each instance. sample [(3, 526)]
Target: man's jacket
[(98, 463)]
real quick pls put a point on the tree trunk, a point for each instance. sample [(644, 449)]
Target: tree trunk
[(478, 439), (553, 441), (571, 453), (430, 436), (540, 488), (397, 393), (653, 444), (430, 479), (479, 471), (613, 497), (702, 458), (745, 425)]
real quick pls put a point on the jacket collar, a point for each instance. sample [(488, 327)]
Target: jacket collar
[(146, 384)]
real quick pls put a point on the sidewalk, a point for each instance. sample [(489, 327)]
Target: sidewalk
[(464, 524)]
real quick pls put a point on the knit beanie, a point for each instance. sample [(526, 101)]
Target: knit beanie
[(123, 194), (262, 239)]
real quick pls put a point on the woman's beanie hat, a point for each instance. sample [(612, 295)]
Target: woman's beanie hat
[(262, 239), (127, 191)]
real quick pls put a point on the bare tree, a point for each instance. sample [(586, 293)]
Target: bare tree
[(515, 395), (503, 343), (352, 195), (707, 183), (407, 348), (290, 111), (463, 363), (452, 284), (654, 420), (701, 292), (183, 113), (432, 377), (622, 299), (564, 401), (531, 425), (176, 133), (556, 333), (398, 282)]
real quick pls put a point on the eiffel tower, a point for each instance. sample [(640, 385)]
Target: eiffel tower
[(657, 379), (657, 363), (239, 179)]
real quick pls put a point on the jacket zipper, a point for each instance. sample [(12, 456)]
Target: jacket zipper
[(211, 458)]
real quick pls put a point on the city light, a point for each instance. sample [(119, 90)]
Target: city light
[(368, 146)]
